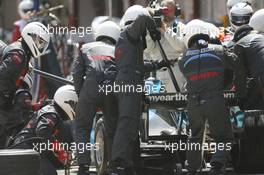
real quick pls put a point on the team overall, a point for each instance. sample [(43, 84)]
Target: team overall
[(131, 70), (250, 51), (13, 66), (204, 70), (96, 62)]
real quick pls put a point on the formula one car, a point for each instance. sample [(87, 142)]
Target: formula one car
[(164, 125)]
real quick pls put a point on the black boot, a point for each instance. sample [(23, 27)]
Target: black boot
[(217, 169), (83, 170)]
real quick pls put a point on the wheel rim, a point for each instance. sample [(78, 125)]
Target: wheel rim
[(99, 152)]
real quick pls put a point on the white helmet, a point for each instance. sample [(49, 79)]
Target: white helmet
[(66, 98), (256, 21), (37, 38), (240, 14), (132, 13), (193, 28), (231, 3), (28, 80), (108, 29), (24, 7), (213, 30)]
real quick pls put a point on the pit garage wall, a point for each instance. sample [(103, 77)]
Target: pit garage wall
[(8, 13), (213, 10), (88, 9)]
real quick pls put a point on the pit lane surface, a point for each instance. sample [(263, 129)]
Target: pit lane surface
[(74, 172)]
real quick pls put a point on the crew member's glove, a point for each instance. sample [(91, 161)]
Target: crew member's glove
[(155, 34), (242, 32), (162, 64)]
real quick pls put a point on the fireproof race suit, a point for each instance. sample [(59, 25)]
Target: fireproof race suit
[(13, 66), (96, 63), (48, 123), (131, 70), (250, 51), (204, 71), (21, 112), (18, 26)]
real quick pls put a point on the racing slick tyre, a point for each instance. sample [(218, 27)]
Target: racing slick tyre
[(248, 152), (100, 155), (19, 162)]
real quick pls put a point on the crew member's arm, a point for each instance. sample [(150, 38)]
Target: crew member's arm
[(236, 63), (46, 126), (138, 28), (11, 65), (154, 65), (78, 73), (110, 71)]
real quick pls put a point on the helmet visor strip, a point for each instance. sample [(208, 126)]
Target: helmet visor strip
[(40, 42), (240, 20), (27, 10)]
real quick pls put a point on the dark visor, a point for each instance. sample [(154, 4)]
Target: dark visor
[(240, 20), (28, 10)]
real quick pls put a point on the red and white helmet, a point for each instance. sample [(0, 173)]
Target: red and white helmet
[(37, 38)]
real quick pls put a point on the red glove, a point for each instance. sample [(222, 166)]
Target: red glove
[(62, 155)]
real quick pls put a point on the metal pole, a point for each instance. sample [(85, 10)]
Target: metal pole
[(110, 6), (203, 141), (52, 77), (165, 58)]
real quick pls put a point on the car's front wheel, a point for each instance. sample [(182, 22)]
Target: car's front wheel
[(100, 154)]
